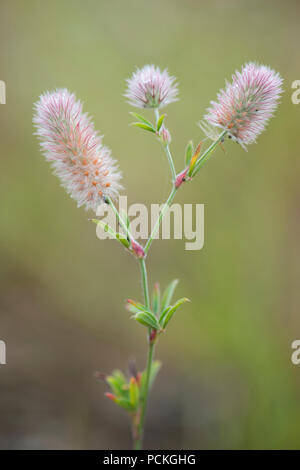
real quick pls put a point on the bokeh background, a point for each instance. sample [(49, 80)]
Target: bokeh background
[(227, 379)]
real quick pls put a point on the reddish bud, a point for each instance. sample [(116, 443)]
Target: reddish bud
[(111, 396), (137, 249), (180, 178), (165, 136)]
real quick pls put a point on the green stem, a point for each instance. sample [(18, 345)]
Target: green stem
[(171, 163), (144, 281), (120, 219), (138, 445), (167, 150), (145, 392), (159, 219)]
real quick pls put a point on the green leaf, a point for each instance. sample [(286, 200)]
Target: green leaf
[(117, 382), (134, 392), (163, 314), (124, 403), (142, 314), (154, 371), (116, 235), (168, 294), (189, 152), (147, 319), (142, 119), (135, 307), (156, 299), (160, 122), (172, 310), (105, 227), (146, 127), (122, 239), (156, 365)]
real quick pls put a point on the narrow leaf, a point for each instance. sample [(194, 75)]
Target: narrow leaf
[(168, 294), (116, 235), (163, 314), (121, 238), (154, 371), (194, 158), (160, 122), (189, 152), (144, 126), (156, 299), (116, 381), (105, 227), (133, 392), (142, 119), (124, 403), (134, 306), (172, 310), (156, 365), (147, 319)]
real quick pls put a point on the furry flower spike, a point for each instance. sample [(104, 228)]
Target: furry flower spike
[(74, 149), (247, 103), (150, 87)]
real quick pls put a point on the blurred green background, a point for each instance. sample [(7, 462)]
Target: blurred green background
[(227, 379)]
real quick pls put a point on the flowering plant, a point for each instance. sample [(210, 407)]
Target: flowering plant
[(91, 177)]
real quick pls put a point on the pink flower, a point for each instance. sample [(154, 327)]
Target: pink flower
[(150, 88), (74, 149), (246, 104)]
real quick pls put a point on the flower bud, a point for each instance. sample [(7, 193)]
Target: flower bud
[(137, 249), (165, 136), (180, 178)]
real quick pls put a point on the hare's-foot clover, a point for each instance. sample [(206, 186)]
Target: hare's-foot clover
[(91, 177)]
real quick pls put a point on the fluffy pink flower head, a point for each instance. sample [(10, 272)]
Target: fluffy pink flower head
[(74, 149), (150, 88), (246, 104)]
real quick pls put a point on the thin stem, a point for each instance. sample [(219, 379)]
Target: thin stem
[(139, 441), (171, 163), (145, 392), (159, 219), (120, 219), (167, 150), (144, 281)]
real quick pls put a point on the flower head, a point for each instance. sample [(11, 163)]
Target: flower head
[(74, 149), (246, 104), (150, 88)]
